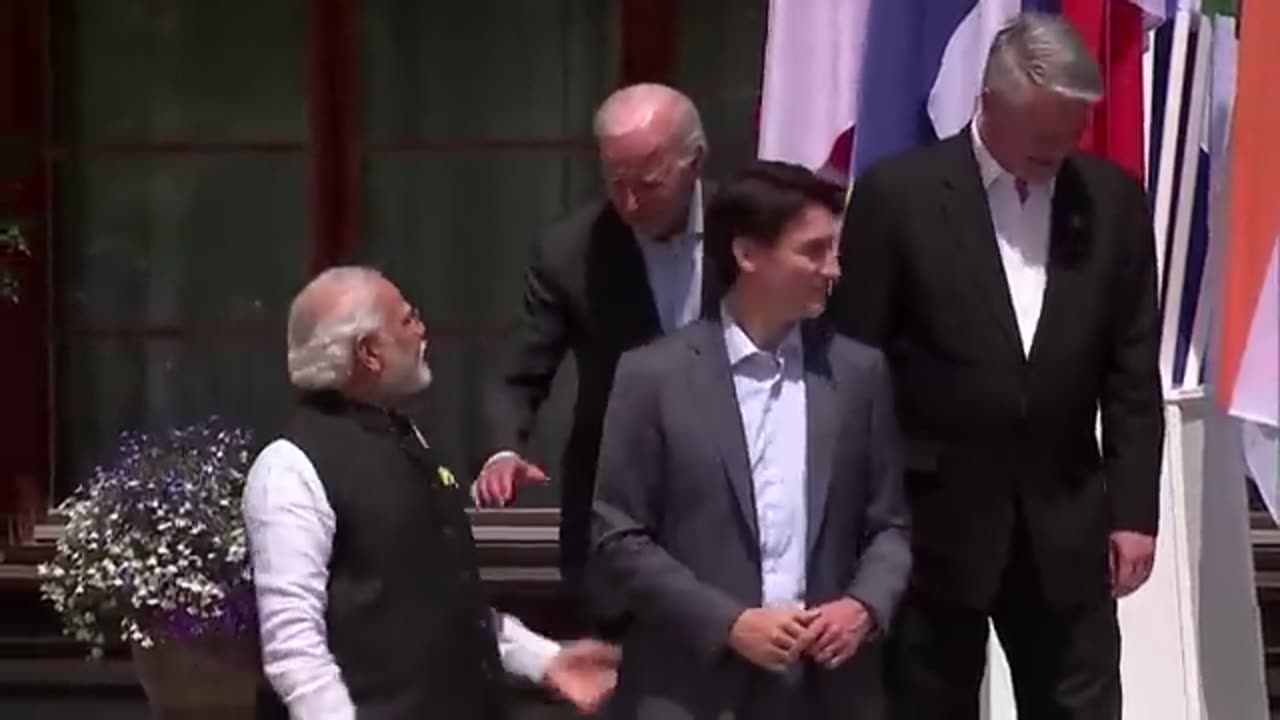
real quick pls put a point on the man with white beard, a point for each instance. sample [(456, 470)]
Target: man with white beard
[(369, 597)]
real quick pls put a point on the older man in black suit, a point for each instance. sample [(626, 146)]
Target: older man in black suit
[(1011, 282), (614, 275)]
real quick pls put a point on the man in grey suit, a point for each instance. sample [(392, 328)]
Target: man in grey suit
[(748, 503)]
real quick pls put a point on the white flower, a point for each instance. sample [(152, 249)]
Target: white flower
[(161, 529)]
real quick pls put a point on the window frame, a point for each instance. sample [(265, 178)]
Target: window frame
[(335, 148)]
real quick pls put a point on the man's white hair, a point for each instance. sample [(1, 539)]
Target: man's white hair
[(1041, 50), (337, 308), (635, 106)]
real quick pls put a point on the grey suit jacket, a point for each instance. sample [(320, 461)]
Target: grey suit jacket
[(674, 520)]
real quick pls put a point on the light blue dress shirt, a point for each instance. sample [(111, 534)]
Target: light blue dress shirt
[(674, 267), (771, 400)]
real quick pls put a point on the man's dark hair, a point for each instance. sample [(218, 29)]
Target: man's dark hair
[(758, 203)]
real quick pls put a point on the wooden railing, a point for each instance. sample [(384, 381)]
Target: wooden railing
[(517, 551)]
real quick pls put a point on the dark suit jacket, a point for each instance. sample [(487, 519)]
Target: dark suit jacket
[(586, 292), (986, 427), (674, 522)]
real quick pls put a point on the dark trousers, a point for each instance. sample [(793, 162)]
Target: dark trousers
[(770, 696), (1065, 662)]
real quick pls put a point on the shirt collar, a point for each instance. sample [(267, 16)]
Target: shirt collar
[(692, 226), (741, 346), (989, 168)]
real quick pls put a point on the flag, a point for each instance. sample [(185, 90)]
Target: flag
[(1193, 71), (1249, 373), (1155, 12), (809, 95), (1209, 214), (922, 71), (1113, 30)]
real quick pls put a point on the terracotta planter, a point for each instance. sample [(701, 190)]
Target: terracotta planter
[(216, 676)]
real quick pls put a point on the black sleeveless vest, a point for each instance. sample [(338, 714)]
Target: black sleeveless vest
[(407, 619)]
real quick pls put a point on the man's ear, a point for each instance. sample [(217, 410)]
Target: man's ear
[(366, 355), (744, 253), (699, 158)]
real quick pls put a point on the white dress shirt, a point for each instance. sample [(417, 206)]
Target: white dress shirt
[(1022, 235), (290, 526), (770, 390), (674, 267)]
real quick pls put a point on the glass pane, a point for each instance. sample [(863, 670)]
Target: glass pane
[(208, 240), (110, 385), (455, 232), (719, 65), (457, 229), (139, 70), (486, 68)]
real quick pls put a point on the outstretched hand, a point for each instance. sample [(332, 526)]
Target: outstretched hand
[(584, 673), (502, 477)]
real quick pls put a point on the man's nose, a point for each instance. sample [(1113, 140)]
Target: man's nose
[(831, 268)]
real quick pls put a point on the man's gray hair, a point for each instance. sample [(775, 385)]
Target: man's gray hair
[(634, 107), (1041, 50), (327, 317)]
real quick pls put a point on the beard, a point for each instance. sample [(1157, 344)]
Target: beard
[(412, 374)]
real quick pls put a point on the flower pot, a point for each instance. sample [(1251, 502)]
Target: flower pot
[(210, 676)]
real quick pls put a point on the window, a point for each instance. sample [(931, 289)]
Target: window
[(475, 135), (181, 227), (188, 165)]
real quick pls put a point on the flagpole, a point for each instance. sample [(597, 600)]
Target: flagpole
[(1189, 148), (1169, 142), (1148, 97)]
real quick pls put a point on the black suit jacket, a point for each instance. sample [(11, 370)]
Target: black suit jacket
[(985, 426), (586, 292)]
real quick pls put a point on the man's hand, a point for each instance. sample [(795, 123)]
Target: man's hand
[(1132, 555), (837, 632), (770, 637), (584, 673), (500, 478)]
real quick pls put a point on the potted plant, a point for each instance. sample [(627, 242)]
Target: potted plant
[(154, 554)]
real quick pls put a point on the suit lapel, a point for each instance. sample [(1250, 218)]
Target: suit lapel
[(712, 289), (1068, 238), (632, 293), (716, 400), (969, 218), (712, 283), (820, 426)]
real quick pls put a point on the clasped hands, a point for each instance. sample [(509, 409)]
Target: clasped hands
[(774, 637)]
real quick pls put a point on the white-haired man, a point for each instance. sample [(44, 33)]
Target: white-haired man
[(369, 598), (1011, 283), (614, 275)]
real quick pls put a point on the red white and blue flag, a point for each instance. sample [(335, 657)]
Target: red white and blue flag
[(922, 70), (847, 82), (812, 72)]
